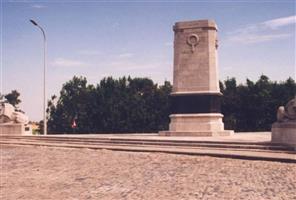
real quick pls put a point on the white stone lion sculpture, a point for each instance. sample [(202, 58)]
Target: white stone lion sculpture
[(9, 115), (288, 112)]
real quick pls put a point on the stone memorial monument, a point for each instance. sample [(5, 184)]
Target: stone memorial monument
[(196, 95), (284, 130), (13, 122)]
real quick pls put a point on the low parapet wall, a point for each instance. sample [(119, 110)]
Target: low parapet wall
[(15, 129)]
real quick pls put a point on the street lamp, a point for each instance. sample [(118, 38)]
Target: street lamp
[(44, 77)]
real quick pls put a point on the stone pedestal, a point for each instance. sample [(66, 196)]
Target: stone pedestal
[(284, 130), (208, 124), (196, 95), (284, 133), (15, 129)]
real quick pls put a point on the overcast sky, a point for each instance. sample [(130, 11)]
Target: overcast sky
[(96, 39)]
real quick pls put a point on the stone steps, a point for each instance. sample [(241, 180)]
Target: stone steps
[(241, 150), (147, 142)]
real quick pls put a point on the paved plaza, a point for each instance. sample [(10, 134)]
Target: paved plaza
[(32, 172)]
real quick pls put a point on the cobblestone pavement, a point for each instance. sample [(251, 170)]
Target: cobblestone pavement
[(30, 172)]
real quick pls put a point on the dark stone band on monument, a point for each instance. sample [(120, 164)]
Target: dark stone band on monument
[(196, 103)]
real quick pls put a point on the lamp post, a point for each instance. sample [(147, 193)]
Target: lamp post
[(44, 76)]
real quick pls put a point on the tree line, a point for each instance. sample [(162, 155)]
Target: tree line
[(121, 105), (139, 105), (252, 106), (130, 105)]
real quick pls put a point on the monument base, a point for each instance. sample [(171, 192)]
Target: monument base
[(196, 133), (284, 133), (202, 125), (15, 129)]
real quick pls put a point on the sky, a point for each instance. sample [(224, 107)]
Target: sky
[(96, 39)]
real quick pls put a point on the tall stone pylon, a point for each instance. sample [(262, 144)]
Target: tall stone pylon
[(196, 95)]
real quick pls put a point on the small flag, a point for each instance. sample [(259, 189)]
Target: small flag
[(74, 125)]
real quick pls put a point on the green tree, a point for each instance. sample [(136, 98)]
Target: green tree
[(13, 97), (73, 103), (40, 129), (230, 102)]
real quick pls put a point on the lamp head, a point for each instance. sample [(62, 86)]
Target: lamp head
[(33, 22)]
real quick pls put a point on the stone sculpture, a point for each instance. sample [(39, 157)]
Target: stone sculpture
[(13, 121), (284, 130), (9, 115), (288, 112)]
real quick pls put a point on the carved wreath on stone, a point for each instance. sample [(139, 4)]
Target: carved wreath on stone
[(288, 112), (193, 41)]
